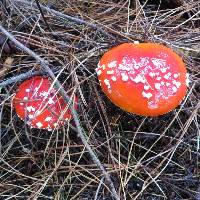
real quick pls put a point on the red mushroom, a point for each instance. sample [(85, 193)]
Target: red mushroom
[(40, 105), (146, 79)]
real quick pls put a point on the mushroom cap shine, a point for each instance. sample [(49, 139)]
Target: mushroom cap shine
[(147, 79), (39, 104)]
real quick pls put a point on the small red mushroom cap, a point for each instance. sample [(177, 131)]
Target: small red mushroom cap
[(147, 79), (40, 105)]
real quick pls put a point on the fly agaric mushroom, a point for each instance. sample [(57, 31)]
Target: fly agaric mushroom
[(38, 104), (146, 79)]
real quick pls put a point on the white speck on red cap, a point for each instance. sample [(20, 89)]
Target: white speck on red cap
[(157, 86), (136, 66), (152, 74), (158, 78), (39, 124), (55, 124), (168, 75), (146, 95), (144, 61), (27, 90), (124, 76), (107, 82), (110, 72), (44, 94), (146, 87), (38, 112), (176, 83), (138, 79), (163, 70), (174, 89), (99, 72), (112, 64), (25, 98), (113, 78), (30, 108), (176, 75), (158, 62), (100, 67), (152, 105), (30, 116), (47, 119)]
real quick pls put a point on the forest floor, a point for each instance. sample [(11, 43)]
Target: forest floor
[(147, 158)]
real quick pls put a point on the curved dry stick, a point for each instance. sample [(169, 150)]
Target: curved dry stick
[(81, 133), (18, 78)]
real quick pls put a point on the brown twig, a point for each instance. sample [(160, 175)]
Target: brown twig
[(81, 133)]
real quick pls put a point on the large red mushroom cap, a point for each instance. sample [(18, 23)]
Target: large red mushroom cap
[(147, 79), (39, 104)]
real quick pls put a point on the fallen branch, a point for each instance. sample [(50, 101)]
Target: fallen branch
[(81, 133), (18, 78)]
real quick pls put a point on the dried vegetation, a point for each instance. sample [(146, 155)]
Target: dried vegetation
[(146, 158)]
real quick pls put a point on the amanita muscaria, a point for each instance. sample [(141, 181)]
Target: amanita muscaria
[(146, 79), (39, 104)]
